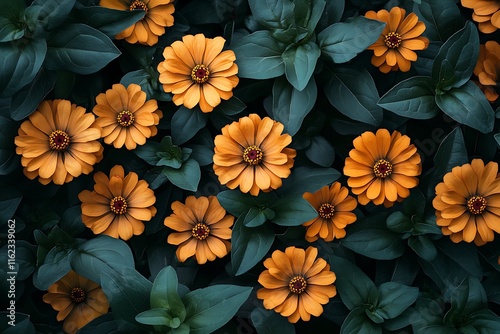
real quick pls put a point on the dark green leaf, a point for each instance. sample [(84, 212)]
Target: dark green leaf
[(423, 246), (468, 105), (307, 179), (375, 243), (321, 152), (270, 322), (400, 223), (455, 61), (9, 203), (442, 18), (236, 202), (202, 154), (274, 14), (292, 211), (485, 321), (249, 245), (9, 31), (105, 324), (463, 254), (210, 308), (158, 317), (258, 56), (142, 78), (352, 91), (343, 41), (331, 14), (186, 123), (394, 299), (107, 20), (317, 10), (187, 177), (412, 98), (230, 107), (80, 49), (55, 266), (291, 106), (404, 319), (52, 13), (256, 217), (164, 293), (300, 63), (466, 298), (357, 322), (229, 9), (10, 20)]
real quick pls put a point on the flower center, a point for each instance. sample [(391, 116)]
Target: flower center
[(382, 168), (59, 140), (200, 231), (77, 295), (392, 40), (200, 74), (125, 118), (297, 285), (137, 4), (476, 205), (326, 210), (252, 155), (118, 205)]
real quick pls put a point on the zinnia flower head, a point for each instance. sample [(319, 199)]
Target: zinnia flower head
[(126, 117), (395, 48), (78, 301), (488, 69), (147, 30), (58, 142), (334, 206), (118, 205), (197, 71), (296, 283), (467, 202), (203, 229), (486, 13), (252, 154), (382, 167)]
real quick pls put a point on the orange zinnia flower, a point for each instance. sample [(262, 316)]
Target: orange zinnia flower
[(382, 167), (486, 13), (147, 30), (296, 283), (204, 229), (197, 71), (488, 69), (467, 202), (252, 154), (334, 206), (78, 301), (126, 117), (118, 205), (58, 142), (394, 49)]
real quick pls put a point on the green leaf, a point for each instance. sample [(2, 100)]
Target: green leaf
[(142, 78), (352, 91), (442, 18), (51, 13), (102, 255), (187, 177), (9, 202), (210, 308), (332, 13), (256, 217), (186, 123), (485, 321), (456, 59), (9, 31), (270, 322), (468, 105), (20, 61), (54, 267), (237, 203), (468, 297), (400, 223), (463, 254), (343, 41), (412, 98), (80, 49), (161, 154), (228, 9), (291, 106), (230, 107), (249, 245), (107, 20), (317, 10), (158, 317), (307, 179), (164, 293), (357, 322), (394, 299), (273, 14), (10, 20), (321, 152), (258, 56), (423, 246), (300, 63), (292, 211)]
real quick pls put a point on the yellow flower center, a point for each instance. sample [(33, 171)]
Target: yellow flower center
[(393, 40), (77, 295), (297, 284), (200, 74), (200, 231), (382, 168), (118, 205), (476, 205), (137, 4), (125, 118), (326, 210), (59, 140), (253, 155)]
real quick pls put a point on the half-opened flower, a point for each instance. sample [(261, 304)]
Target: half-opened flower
[(202, 227), (334, 206), (486, 14), (118, 205), (395, 48), (126, 116), (488, 69), (252, 154), (467, 202), (78, 301), (158, 15), (58, 142), (197, 71), (382, 167), (296, 283)]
